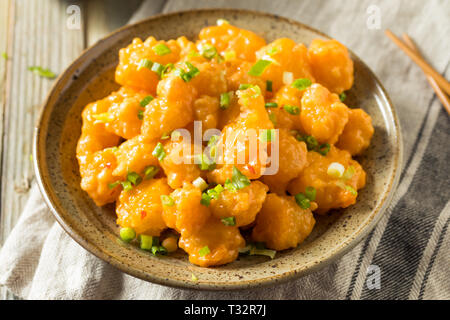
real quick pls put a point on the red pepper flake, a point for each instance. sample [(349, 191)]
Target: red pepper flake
[(143, 214)]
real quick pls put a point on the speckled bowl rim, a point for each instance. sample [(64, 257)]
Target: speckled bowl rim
[(331, 256)]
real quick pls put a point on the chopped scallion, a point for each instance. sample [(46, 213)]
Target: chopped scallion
[(224, 100), (229, 221), (42, 72), (159, 152), (150, 172), (200, 183), (161, 49), (271, 105), (167, 201), (127, 234), (294, 110), (301, 84), (204, 251), (310, 193), (258, 68), (144, 102), (269, 85)]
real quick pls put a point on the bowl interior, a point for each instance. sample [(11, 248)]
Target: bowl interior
[(91, 77)]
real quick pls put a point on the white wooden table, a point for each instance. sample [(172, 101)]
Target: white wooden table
[(39, 33)]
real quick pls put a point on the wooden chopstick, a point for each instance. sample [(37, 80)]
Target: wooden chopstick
[(441, 95), (441, 81)]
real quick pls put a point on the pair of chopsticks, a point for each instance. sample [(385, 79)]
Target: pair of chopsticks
[(436, 80)]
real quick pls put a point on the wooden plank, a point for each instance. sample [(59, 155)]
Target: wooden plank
[(38, 36)]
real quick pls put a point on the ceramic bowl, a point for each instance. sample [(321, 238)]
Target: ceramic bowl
[(91, 77)]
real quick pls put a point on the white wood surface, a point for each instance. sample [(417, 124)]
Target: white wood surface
[(35, 33)]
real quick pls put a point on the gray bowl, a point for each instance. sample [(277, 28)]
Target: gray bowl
[(91, 77)]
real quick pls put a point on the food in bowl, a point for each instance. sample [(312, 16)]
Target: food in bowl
[(225, 145)]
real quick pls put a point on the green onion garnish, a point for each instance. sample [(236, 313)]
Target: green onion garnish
[(158, 250), (351, 190), (245, 86), (204, 162), (146, 242), (167, 201), (310, 193), (229, 221), (200, 183), (208, 51), (302, 201), (258, 68), (161, 49), (159, 152), (194, 277), (301, 84), (158, 69), (224, 100), (269, 85), (206, 199), (191, 73), (271, 105), (348, 173), (342, 96), (113, 185), (144, 102), (140, 114), (222, 21), (324, 149), (167, 68), (42, 72), (262, 252), (272, 51), (238, 181), (204, 251), (165, 136), (294, 110), (215, 192), (273, 118), (127, 234), (5, 56), (150, 172), (267, 135), (134, 178), (126, 185), (145, 63)]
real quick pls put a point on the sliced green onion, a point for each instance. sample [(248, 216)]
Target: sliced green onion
[(206, 199), (113, 185), (204, 251), (302, 201), (272, 51), (254, 251), (5, 56), (159, 152), (134, 178), (165, 136), (271, 105), (238, 181), (158, 250), (140, 114), (191, 73), (229, 221), (205, 163), (127, 234), (335, 170), (310, 193), (301, 84), (245, 86), (146, 242), (269, 85), (324, 149), (167, 201), (42, 72), (273, 118), (311, 142), (342, 96), (126, 185), (175, 135), (150, 172), (215, 192), (229, 55), (158, 69), (208, 51), (267, 135), (161, 49), (224, 100), (348, 173), (145, 63), (351, 190), (144, 102), (294, 110), (193, 277), (200, 183), (222, 21), (167, 68), (258, 68)]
